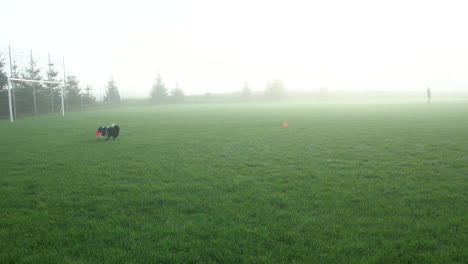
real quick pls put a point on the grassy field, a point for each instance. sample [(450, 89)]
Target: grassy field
[(344, 183)]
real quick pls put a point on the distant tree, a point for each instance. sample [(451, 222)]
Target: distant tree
[(159, 91), (275, 89), (112, 93), (428, 92), (3, 90), (207, 97), (324, 92), (88, 97), (246, 91), (177, 94), (53, 90), (73, 92), (15, 70), (29, 92), (3, 75)]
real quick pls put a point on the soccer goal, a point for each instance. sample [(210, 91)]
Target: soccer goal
[(11, 79)]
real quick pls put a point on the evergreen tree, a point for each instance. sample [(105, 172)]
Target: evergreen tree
[(53, 90), (29, 92), (73, 92), (88, 97), (275, 89), (207, 97), (112, 93), (4, 110), (159, 91), (15, 70), (324, 92), (177, 94), (246, 91), (3, 75)]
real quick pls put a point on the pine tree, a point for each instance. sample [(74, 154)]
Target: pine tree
[(3, 75), (275, 89), (177, 94), (246, 91), (324, 92), (159, 91), (15, 70), (52, 90), (88, 97), (73, 92), (112, 92), (28, 92), (3, 90)]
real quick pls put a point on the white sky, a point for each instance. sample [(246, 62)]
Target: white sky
[(214, 46)]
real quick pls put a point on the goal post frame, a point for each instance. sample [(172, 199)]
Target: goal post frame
[(10, 79)]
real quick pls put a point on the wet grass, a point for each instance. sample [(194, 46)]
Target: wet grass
[(344, 183)]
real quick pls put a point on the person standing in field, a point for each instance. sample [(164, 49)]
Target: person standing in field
[(428, 95)]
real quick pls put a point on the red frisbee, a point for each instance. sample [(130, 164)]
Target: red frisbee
[(97, 133)]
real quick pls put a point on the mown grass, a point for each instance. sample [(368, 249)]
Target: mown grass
[(344, 183)]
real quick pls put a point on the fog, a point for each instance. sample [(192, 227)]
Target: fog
[(210, 46)]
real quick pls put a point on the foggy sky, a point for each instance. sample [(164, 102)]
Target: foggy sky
[(214, 46)]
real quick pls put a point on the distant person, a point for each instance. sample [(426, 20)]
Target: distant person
[(428, 95)]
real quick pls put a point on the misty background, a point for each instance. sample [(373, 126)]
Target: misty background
[(210, 47)]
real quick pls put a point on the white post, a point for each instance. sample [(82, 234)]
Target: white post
[(63, 85), (63, 105), (9, 100), (34, 87), (51, 88), (12, 75)]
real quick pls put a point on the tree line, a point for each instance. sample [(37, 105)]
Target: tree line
[(160, 93), (32, 98)]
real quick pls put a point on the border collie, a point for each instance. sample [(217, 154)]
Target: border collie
[(108, 131)]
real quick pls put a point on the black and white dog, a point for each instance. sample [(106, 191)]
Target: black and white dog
[(108, 131)]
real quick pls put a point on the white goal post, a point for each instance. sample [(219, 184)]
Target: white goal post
[(10, 79)]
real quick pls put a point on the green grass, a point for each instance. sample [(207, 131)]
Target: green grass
[(345, 183)]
